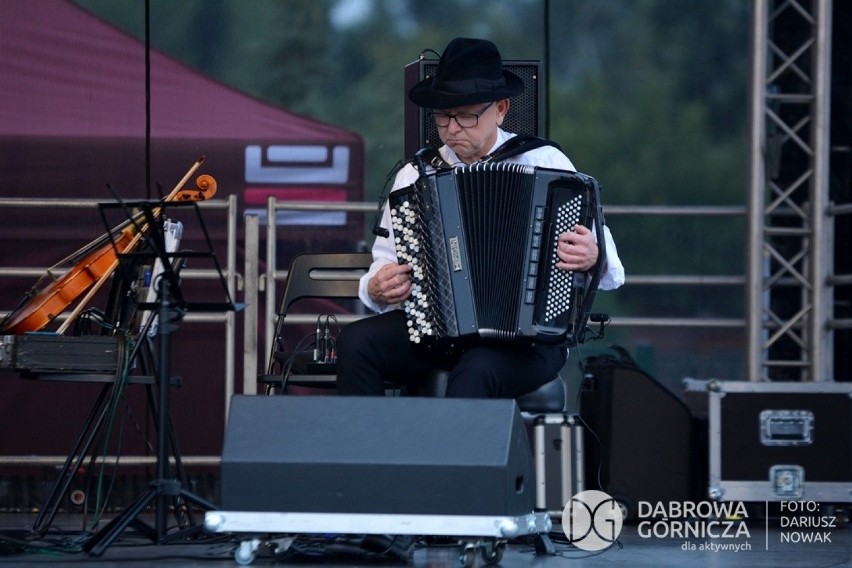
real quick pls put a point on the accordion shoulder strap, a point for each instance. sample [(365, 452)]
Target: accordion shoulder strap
[(518, 145), (511, 147), (433, 157)]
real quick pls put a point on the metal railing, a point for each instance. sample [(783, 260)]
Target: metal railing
[(233, 280), (260, 295), (267, 281)]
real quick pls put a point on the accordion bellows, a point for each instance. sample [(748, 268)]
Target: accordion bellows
[(482, 243)]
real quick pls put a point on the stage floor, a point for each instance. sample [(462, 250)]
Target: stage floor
[(764, 545)]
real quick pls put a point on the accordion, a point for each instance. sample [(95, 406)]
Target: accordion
[(482, 240)]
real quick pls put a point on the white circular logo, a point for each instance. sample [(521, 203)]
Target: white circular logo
[(592, 520)]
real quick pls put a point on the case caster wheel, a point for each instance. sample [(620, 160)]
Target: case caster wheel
[(467, 557), (246, 552), (492, 553)]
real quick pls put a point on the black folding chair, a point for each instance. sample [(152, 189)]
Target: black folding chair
[(327, 276)]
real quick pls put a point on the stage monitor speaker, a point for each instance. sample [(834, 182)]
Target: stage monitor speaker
[(639, 440), (394, 455), (526, 113)]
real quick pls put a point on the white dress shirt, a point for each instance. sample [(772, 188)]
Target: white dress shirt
[(384, 251)]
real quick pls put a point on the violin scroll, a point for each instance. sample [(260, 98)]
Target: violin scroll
[(206, 189)]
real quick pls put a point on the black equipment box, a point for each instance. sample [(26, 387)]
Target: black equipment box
[(50, 353), (780, 441), (640, 436)]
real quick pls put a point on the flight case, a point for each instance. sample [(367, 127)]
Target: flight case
[(780, 441)]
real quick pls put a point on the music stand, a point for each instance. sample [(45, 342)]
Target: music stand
[(170, 306)]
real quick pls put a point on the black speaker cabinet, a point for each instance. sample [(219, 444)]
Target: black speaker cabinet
[(639, 441), (395, 455), (526, 113)]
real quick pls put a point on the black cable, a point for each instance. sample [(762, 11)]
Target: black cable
[(287, 367), (578, 405), (121, 381), (148, 99), (378, 230)]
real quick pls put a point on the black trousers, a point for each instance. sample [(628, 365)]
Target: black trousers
[(376, 350)]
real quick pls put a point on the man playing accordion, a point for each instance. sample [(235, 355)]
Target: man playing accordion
[(468, 97)]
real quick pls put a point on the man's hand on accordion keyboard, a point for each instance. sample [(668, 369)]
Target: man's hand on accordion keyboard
[(577, 249), (391, 284)]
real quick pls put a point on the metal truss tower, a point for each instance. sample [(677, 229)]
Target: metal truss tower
[(790, 231)]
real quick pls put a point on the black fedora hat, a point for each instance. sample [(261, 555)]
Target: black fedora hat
[(470, 71)]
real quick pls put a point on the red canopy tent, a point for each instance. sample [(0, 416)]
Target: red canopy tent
[(73, 119)]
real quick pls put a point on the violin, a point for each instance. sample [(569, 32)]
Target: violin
[(97, 261)]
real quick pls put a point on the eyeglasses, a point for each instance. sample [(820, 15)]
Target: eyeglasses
[(466, 120)]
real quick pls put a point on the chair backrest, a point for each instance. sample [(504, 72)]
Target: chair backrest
[(323, 275)]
